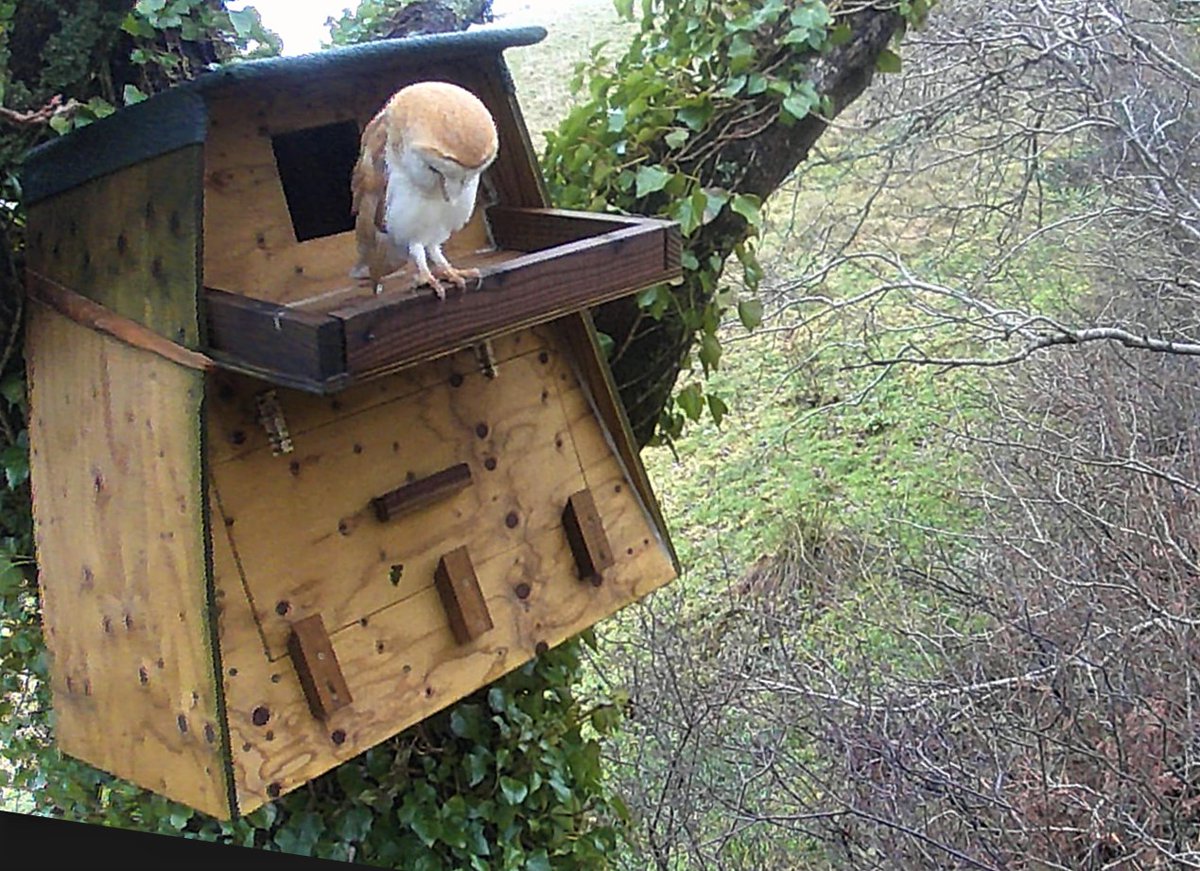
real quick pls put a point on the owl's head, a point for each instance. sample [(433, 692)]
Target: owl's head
[(441, 136)]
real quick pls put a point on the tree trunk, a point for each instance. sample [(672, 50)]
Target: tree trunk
[(652, 352)]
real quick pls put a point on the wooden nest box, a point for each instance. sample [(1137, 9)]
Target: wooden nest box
[(280, 518)]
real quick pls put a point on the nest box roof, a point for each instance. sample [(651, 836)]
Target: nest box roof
[(179, 117)]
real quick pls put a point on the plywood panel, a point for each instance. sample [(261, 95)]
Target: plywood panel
[(308, 538), (250, 244), (402, 662), (118, 508), (129, 241), (233, 428)]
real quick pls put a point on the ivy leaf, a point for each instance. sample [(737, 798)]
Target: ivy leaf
[(841, 34), (15, 461), (888, 61), (301, 833), (244, 22), (798, 104), (654, 300), (616, 120), (715, 200), (717, 408), (684, 211), (355, 823), (607, 345), (735, 84), (747, 206), (756, 84), (513, 790), (695, 117), (691, 401), (676, 137), (13, 390), (100, 107), (478, 766), (710, 351), (651, 179), (137, 26), (132, 94), (750, 313), (539, 861), (427, 827)]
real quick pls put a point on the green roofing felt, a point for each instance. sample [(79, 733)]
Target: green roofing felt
[(178, 117)]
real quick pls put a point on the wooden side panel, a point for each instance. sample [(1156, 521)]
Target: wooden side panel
[(118, 508), (250, 244), (578, 331), (402, 662), (129, 241), (517, 178)]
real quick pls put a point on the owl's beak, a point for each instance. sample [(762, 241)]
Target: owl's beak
[(442, 183)]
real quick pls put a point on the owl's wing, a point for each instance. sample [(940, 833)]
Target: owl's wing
[(368, 183)]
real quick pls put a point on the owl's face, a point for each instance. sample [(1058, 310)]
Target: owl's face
[(433, 174)]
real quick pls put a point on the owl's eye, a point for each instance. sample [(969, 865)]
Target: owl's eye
[(437, 172)]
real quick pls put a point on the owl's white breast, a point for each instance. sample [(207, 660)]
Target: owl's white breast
[(418, 214)]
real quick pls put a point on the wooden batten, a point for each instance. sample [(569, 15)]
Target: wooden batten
[(317, 668), (458, 588), (585, 535)]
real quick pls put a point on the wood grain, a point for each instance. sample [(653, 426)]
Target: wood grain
[(277, 340), (570, 260), (527, 290), (527, 229), (402, 663), (233, 427), (302, 524), (118, 511), (129, 241)]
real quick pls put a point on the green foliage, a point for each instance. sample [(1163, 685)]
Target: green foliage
[(375, 19), (508, 779), (644, 142)]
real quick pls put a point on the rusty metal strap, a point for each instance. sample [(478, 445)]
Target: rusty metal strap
[(97, 317)]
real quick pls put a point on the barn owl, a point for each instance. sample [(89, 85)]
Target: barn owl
[(416, 179)]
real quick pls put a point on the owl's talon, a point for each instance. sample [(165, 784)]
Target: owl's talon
[(458, 277), (431, 280)]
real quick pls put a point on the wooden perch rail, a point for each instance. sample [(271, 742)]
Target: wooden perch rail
[(550, 263)]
